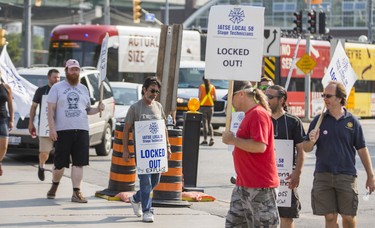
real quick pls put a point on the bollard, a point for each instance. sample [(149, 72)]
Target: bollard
[(190, 150), (169, 191), (122, 174)]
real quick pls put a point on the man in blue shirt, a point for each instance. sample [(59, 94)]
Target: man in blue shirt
[(339, 137)]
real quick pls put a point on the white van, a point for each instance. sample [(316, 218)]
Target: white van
[(190, 78)]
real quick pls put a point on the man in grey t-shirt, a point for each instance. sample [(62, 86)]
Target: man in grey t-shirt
[(68, 107)]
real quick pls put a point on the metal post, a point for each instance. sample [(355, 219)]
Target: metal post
[(27, 33), (307, 77), (190, 150), (307, 84), (81, 20), (369, 20), (107, 11), (166, 16)]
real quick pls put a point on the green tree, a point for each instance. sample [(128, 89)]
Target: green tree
[(14, 48)]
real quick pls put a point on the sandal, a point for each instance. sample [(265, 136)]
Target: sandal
[(211, 142)]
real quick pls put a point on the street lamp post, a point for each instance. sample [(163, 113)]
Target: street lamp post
[(27, 33), (166, 14), (369, 20)]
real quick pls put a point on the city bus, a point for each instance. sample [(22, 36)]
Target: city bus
[(132, 51), (361, 101)]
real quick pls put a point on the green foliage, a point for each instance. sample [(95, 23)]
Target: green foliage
[(14, 48)]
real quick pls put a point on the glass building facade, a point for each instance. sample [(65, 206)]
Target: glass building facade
[(341, 15)]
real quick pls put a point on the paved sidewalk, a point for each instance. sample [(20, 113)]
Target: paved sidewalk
[(23, 203)]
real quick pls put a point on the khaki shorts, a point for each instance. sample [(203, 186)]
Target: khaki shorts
[(334, 193), (45, 144)]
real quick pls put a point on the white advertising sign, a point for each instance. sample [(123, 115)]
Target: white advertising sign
[(340, 70), (151, 146), (43, 122), (237, 118), (284, 162), (235, 38), (138, 48)]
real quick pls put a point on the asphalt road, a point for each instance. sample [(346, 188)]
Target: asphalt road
[(215, 167)]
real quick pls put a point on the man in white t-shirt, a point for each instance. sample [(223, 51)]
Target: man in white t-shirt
[(68, 107)]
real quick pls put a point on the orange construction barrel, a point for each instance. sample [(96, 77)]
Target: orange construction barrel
[(169, 191), (122, 174)]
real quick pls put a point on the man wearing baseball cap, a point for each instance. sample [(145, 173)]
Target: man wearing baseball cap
[(68, 107)]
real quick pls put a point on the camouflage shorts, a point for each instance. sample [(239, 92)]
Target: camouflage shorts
[(253, 207)]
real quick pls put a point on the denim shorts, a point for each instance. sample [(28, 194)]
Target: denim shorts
[(4, 127)]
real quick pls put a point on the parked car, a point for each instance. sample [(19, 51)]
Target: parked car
[(125, 94), (100, 128), (190, 78)]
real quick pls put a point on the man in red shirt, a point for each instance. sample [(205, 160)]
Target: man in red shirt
[(253, 201)]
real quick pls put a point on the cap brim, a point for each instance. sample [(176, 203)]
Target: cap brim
[(73, 67)]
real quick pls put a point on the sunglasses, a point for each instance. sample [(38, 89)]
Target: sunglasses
[(327, 95), (155, 91), (270, 97)]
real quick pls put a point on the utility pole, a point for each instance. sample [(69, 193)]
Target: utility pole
[(369, 20), (27, 33), (107, 11), (166, 16), (307, 76), (81, 20)]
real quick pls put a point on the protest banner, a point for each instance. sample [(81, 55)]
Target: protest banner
[(235, 38), (151, 147), (340, 70), (284, 162)]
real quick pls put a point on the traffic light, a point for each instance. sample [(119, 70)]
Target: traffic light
[(311, 21), (2, 37), (322, 23), (298, 21), (137, 11), (38, 3)]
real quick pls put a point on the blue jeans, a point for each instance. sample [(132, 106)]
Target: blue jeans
[(147, 183)]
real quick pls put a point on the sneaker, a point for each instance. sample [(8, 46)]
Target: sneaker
[(41, 173), (77, 197), (148, 216), (233, 179), (51, 194), (204, 142), (137, 207), (211, 142)]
